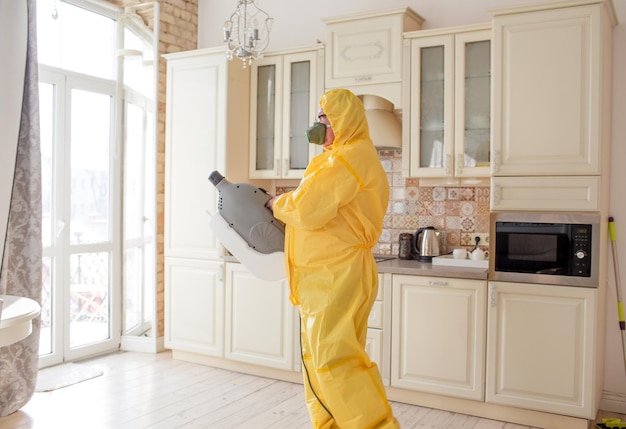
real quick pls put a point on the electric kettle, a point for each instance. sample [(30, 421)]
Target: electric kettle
[(426, 243)]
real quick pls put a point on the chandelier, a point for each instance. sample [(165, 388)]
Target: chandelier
[(247, 32)]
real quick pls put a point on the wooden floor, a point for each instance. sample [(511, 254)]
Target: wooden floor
[(143, 390)]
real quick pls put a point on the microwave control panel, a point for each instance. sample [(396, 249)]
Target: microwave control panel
[(581, 248)]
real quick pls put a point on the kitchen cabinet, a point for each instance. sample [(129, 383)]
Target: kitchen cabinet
[(438, 335), (194, 306), (261, 323), (202, 91), (285, 91), (364, 52), (542, 350), (378, 341), (447, 102), (551, 103)]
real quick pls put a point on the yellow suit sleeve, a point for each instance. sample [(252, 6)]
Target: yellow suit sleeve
[(318, 197)]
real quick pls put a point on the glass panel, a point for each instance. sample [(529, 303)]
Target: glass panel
[(133, 172), (90, 147), (45, 335), (299, 115), (133, 267), (149, 284), (66, 45), (138, 72), (89, 298), (46, 117), (432, 107), (149, 249), (431, 149), (150, 162), (477, 103), (266, 102)]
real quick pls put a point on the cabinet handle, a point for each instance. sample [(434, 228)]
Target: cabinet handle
[(458, 164), (496, 195), (447, 165), (437, 283), (497, 160), (492, 296), (286, 167), (277, 164)]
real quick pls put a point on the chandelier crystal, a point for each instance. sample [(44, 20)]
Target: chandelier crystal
[(247, 32)]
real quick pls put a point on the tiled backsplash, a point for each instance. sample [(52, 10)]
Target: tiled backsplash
[(456, 211)]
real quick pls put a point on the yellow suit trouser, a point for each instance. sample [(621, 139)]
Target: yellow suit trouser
[(343, 388)]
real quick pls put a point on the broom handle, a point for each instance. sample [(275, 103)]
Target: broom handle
[(620, 306)]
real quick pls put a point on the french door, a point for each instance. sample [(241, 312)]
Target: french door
[(81, 217)]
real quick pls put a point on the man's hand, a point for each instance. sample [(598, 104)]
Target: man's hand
[(270, 204)]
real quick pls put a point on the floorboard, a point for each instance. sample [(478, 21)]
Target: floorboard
[(154, 391)]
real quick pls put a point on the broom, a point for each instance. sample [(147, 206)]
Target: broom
[(620, 306)]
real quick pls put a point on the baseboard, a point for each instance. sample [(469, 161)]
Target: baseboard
[(142, 344), (613, 401)]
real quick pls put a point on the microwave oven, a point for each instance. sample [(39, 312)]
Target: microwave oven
[(548, 248)]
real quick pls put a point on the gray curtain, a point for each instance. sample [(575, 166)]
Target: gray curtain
[(21, 264)]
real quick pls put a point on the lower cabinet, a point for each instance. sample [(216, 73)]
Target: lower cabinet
[(438, 335), (525, 346), (541, 348), (261, 325), (194, 306)]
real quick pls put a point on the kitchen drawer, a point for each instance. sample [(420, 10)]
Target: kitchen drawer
[(546, 193)]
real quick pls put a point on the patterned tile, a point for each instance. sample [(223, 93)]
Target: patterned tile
[(439, 193), (412, 207), (399, 208), (454, 194), (456, 211), (398, 193)]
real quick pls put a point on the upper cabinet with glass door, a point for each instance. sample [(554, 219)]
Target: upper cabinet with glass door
[(285, 90), (447, 102)]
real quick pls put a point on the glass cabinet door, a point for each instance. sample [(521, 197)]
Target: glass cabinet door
[(285, 90), (473, 100), (432, 105), (297, 154), (450, 105), (265, 158)]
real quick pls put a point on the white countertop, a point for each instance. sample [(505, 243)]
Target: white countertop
[(16, 318), (416, 268)]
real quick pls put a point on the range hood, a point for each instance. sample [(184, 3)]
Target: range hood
[(385, 127)]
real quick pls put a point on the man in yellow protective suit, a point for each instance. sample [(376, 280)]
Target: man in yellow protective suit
[(332, 221)]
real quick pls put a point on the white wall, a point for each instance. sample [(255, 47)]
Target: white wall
[(299, 24), (615, 372)]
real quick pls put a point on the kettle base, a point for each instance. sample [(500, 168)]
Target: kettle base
[(425, 258)]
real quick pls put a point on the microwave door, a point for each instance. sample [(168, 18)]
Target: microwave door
[(529, 253)]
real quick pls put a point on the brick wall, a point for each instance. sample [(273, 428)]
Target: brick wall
[(178, 32)]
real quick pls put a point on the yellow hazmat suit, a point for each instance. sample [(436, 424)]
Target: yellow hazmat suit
[(332, 221)]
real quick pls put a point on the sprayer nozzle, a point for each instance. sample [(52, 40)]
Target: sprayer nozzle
[(215, 178)]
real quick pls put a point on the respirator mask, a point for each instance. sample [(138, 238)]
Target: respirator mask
[(316, 133)]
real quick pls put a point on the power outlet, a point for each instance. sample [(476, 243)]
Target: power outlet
[(484, 238)]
